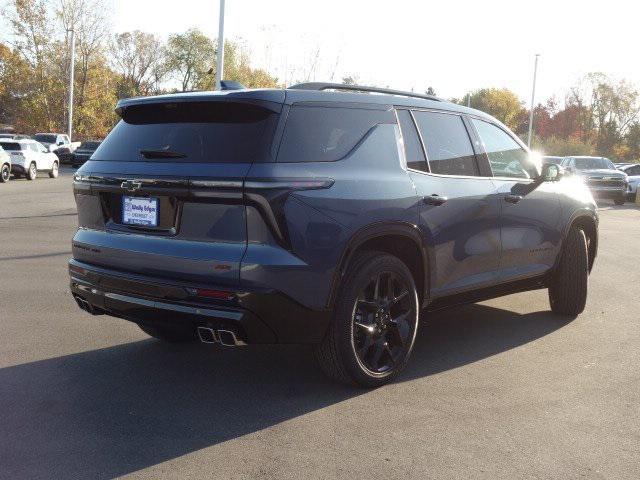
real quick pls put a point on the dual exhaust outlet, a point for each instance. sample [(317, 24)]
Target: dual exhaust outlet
[(86, 306), (227, 338)]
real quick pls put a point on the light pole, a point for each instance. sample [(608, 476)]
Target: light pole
[(533, 99), (220, 59), (72, 68)]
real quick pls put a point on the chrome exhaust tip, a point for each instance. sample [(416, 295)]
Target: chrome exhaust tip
[(230, 339), (208, 335)]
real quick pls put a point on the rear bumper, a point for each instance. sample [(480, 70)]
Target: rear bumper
[(264, 316)]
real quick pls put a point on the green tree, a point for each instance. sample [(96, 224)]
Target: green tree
[(189, 57), (501, 103)]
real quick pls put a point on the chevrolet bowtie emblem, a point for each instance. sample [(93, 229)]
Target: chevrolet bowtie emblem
[(131, 185)]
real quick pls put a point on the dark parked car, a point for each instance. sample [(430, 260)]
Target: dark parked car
[(84, 152), (601, 176), (312, 215)]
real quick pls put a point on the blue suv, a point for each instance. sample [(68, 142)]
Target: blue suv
[(322, 214)]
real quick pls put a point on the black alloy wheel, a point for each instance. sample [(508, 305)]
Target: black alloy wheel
[(383, 323)]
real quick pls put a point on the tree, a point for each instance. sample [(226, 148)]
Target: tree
[(350, 80), (139, 60), (500, 103), (88, 20), (31, 29), (189, 57), (237, 66)]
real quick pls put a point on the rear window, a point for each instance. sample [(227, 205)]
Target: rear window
[(326, 134), (47, 138), (215, 132), (13, 146)]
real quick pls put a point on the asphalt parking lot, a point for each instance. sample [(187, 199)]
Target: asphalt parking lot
[(501, 389)]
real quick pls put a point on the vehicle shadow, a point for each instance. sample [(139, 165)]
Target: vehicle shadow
[(611, 206), (109, 412)]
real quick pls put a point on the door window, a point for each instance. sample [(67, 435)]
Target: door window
[(447, 143), (506, 156), (412, 147)]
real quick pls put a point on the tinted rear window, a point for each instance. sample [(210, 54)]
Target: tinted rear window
[(215, 132), (41, 137), (13, 146), (326, 134)]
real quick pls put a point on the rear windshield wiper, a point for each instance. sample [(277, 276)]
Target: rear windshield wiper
[(161, 154)]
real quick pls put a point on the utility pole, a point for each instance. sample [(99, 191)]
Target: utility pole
[(533, 99), (220, 59), (72, 68)]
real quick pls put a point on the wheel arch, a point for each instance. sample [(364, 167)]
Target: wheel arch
[(587, 220), (400, 239)]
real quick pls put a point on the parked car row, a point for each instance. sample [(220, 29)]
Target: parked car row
[(83, 152), (25, 158), (601, 176)]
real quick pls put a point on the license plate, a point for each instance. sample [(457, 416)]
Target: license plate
[(140, 211)]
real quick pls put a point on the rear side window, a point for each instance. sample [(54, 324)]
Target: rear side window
[(506, 156), (447, 142), (412, 147), (12, 146), (326, 134), (215, 132)]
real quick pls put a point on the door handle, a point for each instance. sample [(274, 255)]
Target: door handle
[(512, 198), (434, 199)]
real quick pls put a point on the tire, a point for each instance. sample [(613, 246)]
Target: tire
[(32, 172), (166, 334), (5, 173), (367, 343), (54, 170), (620, 200), (569, 284)]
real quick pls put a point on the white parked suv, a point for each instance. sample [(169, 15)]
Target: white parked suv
[(5, 166), (29, 157), (633, 173)]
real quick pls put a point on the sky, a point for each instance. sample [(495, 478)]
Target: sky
[(453, 46)]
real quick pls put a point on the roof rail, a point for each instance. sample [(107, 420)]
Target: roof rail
[(360, 88)]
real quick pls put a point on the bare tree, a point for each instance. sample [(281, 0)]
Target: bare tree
[(89, 21), (138, 57)]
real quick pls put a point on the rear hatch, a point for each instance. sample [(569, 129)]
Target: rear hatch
[(163, 194)]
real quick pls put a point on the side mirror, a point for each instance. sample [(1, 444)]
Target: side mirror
[(60, 143), (551, 172)]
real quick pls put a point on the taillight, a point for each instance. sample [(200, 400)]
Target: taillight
[(78, 270)]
